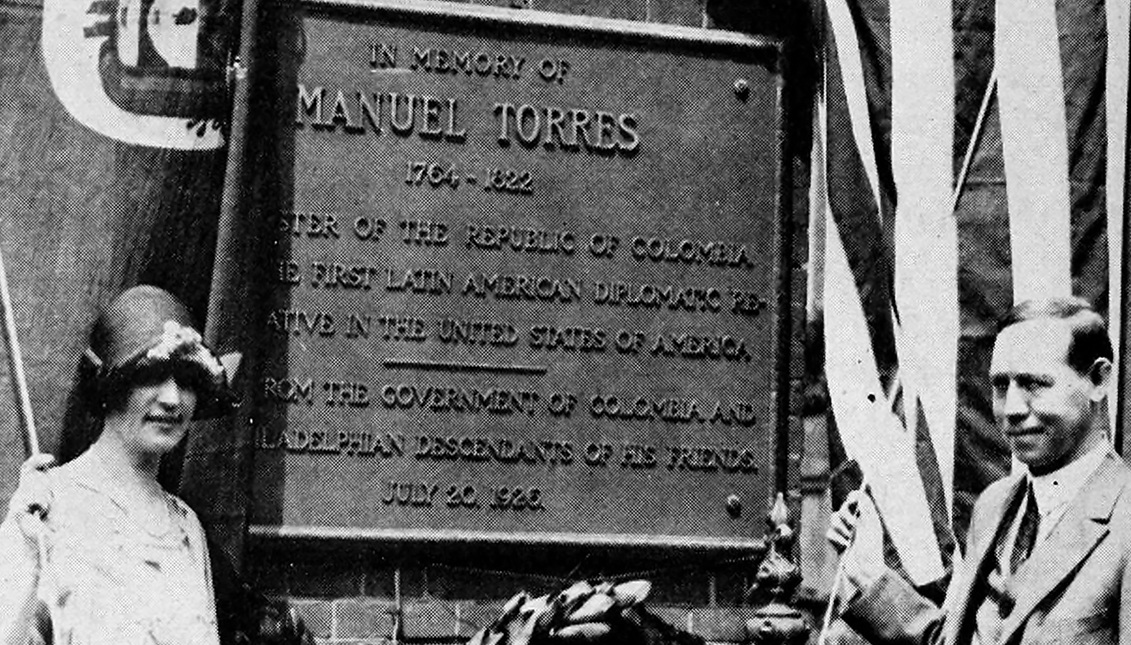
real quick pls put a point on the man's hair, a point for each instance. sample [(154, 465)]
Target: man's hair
[(1089, 340)]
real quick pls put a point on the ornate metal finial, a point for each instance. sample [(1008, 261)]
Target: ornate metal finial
[(775, 622)]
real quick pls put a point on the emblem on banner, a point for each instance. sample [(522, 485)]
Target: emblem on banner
[(145, 72)]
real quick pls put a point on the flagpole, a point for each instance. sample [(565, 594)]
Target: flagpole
[(838, 578), (16, 363), (224, 271), (31, 437), (834, 591), (975, 137), (1123, 376), (228, 304)]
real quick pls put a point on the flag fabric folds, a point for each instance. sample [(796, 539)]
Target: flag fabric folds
[(112, 168), (967, 156)]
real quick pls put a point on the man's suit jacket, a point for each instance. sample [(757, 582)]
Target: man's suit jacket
[(1075, 587)]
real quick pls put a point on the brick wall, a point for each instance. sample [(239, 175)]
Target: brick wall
[(348, 593), (361, 621)]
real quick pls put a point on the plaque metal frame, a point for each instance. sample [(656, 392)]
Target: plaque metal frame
[(479, 17)]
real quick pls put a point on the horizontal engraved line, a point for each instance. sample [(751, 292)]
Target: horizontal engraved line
[(395, 364)]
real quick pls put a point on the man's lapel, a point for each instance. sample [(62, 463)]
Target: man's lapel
[(979, 564), (1080, 529)]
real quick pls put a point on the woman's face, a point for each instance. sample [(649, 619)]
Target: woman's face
[(155, 416)]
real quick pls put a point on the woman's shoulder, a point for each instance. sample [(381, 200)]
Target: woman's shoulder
[(80, 468), (83, 495), (183, 510), (77, 495), (78, 478)]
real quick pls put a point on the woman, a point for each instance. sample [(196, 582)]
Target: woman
[(95, 551)]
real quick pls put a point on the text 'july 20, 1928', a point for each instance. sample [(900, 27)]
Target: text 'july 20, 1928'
[(512, 271)]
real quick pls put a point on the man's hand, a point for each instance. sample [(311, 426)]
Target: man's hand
[(857, 532), (32, 500), (843, 523)]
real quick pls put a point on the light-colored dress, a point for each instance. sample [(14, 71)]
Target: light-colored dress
[(114, 578)]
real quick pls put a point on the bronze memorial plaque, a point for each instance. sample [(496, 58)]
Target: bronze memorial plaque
[(530, 281)]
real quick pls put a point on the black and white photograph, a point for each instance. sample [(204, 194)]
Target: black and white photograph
[(564, 322)]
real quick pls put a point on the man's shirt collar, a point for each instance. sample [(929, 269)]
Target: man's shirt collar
[(1056, 489)]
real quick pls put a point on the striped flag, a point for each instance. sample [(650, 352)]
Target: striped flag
[(966, 157)]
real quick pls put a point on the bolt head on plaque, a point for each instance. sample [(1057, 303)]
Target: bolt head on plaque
[(742, 88)]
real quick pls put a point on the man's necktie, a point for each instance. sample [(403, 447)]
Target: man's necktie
[(1026, 532)]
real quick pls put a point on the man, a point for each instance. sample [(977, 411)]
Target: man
[(1048, 548)]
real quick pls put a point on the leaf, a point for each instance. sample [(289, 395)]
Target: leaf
[(585, 632), (633, 592), (597, 606)]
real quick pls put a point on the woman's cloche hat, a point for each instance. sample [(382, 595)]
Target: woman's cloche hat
[(145, 329)]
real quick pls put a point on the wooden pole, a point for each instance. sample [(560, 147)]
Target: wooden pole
[(216, 476), (1122, 439), (225, 271), (16, 363)]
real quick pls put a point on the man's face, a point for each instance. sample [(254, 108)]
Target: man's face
[(1044, 406)]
